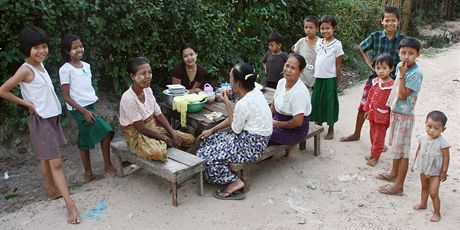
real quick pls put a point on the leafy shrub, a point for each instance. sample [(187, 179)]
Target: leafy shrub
[(114, 31)]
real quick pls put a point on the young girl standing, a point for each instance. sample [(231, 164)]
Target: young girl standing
[(376, 110), (328, 71), (306, 47), (79, 95), (432, 161), (44, 125)]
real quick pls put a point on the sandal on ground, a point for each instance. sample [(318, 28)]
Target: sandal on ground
[(386, 177), (387, 190), (237, 195)]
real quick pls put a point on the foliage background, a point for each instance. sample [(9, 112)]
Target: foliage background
[(114, 31)]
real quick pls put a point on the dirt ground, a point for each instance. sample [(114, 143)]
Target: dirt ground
[(333, 190)]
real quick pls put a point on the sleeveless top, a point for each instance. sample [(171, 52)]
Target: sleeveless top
[(40, 92)]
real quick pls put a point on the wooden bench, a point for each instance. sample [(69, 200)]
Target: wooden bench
[(243, 169), (180, 166)]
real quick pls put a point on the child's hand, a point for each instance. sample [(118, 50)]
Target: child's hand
[(31, 108), (403, 69), (366, 115), (443, 176), (412, 169), (89, 116)]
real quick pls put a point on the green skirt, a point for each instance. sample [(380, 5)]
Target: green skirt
[(325, 101), (90, 134)]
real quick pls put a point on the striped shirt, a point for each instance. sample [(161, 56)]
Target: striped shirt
[(378, 43)]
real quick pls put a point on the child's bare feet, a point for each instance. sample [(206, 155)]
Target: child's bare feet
[(72, 213), (419, 207), (89, 177), (372, 162), (111, 171), (435, 218), (352, 137)]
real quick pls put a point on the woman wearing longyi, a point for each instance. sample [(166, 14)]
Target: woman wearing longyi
[(291, 106)]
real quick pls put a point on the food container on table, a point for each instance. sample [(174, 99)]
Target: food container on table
[(169, 96), (194, 107)]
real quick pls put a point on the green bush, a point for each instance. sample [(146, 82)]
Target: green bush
[(114, 31)]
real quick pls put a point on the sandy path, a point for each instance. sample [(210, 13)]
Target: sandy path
[(307, 183)]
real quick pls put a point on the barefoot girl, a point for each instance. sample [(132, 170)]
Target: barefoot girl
[(432, 161), (39, 98), (377, 112), (328, 72), (79, 95)]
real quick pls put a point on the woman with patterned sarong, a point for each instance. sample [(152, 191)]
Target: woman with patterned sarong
[(291, 106), (251, 126), (147, 132)]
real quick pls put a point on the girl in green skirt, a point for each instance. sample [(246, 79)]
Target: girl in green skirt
[(80, 96), (328, 70)]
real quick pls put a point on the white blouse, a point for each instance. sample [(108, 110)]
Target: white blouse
[(253, 114), (293, 101)]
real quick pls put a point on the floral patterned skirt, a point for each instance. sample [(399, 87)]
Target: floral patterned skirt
[(226, 147)]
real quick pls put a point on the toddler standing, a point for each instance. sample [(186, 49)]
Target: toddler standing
[(328, 72), (39, 98), (80, 96), (377, 112), (432, 161), (274, 60)]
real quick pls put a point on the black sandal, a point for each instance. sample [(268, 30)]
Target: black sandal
[(237, 195)]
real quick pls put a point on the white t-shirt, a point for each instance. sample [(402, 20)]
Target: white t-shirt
[(40, 92), (253, 114), (325, 59), (79, 81), (132, 109), (293, 101)]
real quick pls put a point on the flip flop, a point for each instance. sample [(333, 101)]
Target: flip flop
[(387, 191), (385, 177), (237, 195)]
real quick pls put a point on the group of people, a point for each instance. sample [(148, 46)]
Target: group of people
[(252, 124)]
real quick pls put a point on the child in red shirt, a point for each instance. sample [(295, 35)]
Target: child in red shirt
[(376, 110)]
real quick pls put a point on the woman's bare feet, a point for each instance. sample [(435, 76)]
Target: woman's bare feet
[(435, 218), (232, 187), (72, 213), (110, 170), (372, 162), (289, 152), (419, 207)]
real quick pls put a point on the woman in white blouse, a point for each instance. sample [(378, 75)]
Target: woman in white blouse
[(251, 127), (291, 106)]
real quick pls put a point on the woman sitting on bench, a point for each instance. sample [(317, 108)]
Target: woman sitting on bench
[(291, 106), (147, 132), (251, 126)]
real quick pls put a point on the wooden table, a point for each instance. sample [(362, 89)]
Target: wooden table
[(198, 120)]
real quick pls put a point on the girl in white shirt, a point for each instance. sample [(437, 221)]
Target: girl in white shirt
[(251, 127), (80, 97)]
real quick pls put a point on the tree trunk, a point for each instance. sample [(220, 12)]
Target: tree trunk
[(446, 8)]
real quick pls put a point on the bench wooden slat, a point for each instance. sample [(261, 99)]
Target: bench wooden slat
[(185, 157)]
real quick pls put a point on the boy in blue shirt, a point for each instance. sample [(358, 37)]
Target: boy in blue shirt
[(402, 101), (274, 60)]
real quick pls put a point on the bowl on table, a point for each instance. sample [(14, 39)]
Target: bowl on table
[(195, 107), (169, 96)]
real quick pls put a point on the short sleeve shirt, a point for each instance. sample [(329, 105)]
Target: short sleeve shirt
[(274, 64), (132, 109), (309, 53), (325, 66), (378, 43), (413, 80), (293, 101), (253, 114), (79, 81), (429, 159), (180, 72)]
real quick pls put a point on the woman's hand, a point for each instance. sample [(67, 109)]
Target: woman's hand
[(206, 133), (89, 116), (276, 124), (177, 141), (224, 97)]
